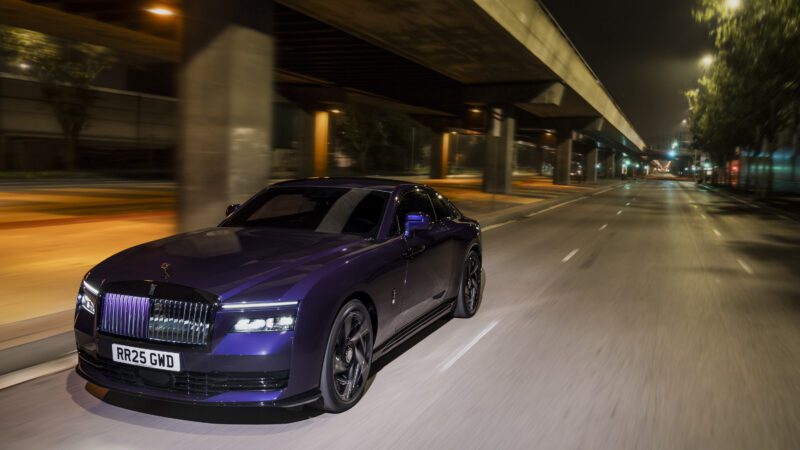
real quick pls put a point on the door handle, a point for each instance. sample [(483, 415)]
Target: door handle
[(413, 251)]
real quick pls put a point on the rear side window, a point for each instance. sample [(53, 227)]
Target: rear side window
[(441, 207)]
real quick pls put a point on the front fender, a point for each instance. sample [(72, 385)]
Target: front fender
[(371, 272)]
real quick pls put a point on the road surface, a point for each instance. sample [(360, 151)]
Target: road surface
[(654, 316)]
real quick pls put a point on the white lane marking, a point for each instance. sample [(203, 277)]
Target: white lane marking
[(695, 206), (717, 232), (603, 227), (703, 216), (469, 345), (628, 204), (497, 225), (570, 255), (745, 266), (619, 212), (554, 207)]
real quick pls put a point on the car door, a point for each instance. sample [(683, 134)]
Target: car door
[(449, 252), (423, 285)]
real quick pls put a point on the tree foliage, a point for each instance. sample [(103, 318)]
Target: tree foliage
[(750, 91), (65, 70)]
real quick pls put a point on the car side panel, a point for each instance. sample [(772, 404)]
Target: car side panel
[(374, 271)]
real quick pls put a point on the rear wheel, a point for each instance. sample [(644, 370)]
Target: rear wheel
[(469, 294), (348, 358)]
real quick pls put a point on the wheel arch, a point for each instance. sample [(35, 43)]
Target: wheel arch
[(366, 299)]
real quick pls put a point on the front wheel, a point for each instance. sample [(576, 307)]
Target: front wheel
[(469, 293), (348, 358)]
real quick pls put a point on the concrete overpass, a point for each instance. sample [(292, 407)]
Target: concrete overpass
[(499, 67)]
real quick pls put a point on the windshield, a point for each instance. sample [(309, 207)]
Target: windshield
[(318, 209)]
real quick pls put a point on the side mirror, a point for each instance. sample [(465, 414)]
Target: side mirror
[(231, 209), (416, 222)]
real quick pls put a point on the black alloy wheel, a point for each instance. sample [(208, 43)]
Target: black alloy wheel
[(348, 358), (469, 295)]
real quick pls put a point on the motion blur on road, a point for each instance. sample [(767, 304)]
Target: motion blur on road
[(634, 166), (653, 315)]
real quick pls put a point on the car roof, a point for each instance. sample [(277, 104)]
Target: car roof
[(378, 184)]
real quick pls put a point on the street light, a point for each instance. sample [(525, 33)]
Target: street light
[(684, 122), (160, 11), (707, 61), (733, 5)]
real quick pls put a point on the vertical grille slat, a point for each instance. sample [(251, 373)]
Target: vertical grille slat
[(155, 319)]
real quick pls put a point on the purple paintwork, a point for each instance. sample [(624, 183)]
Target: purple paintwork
[(227, 265)]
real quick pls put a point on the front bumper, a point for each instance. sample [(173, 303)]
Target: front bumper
[(239, 369)]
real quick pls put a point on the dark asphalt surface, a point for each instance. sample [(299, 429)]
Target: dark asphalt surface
[(654, 316)]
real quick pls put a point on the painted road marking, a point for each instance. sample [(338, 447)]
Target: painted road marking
[(703, 216), (554, 207), (695, 206), (619, 212), (496, 226), (628, 204), (717, 232), (745, 266), (471, 344), (570, 255), (603, 227)]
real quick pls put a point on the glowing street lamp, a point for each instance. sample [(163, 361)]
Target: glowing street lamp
[(733, 5), (160, 11), (707, 61)]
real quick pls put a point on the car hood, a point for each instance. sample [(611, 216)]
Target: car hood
[(229, 261)]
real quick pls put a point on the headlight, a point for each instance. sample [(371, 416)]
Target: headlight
[(281, 323), (87, 303)]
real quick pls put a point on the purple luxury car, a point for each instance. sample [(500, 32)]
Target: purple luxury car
[(287, 302)]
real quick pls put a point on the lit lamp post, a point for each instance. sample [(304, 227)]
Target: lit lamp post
[(707, 61)]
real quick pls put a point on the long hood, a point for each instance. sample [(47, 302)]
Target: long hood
[(229, 261)]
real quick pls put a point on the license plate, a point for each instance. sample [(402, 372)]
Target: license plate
[(146, 358)]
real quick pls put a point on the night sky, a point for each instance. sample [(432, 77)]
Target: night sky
[(646, 52)]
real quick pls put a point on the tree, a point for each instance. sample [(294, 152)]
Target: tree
[(65, 70), (362, 129), (751, 91)]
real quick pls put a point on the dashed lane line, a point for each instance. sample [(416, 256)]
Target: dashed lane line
[(570, 255)]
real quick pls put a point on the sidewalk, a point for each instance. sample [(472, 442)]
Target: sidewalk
[(53, 234), (785, 205)]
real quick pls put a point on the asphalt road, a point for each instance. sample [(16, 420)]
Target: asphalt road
[(655, 315)]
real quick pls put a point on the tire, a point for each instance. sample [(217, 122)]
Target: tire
[(347, 363), (470, 290)]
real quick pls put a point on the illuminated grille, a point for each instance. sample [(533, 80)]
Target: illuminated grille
[(179, 321), (174, 321), (125, 315)]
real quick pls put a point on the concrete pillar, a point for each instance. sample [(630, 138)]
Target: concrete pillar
[(498, 169), (226, 89), (321, 138), (611, 165), (440, 154), (563, 160), (591, 165)]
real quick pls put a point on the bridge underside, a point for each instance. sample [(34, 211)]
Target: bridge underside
[(500, 68)]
